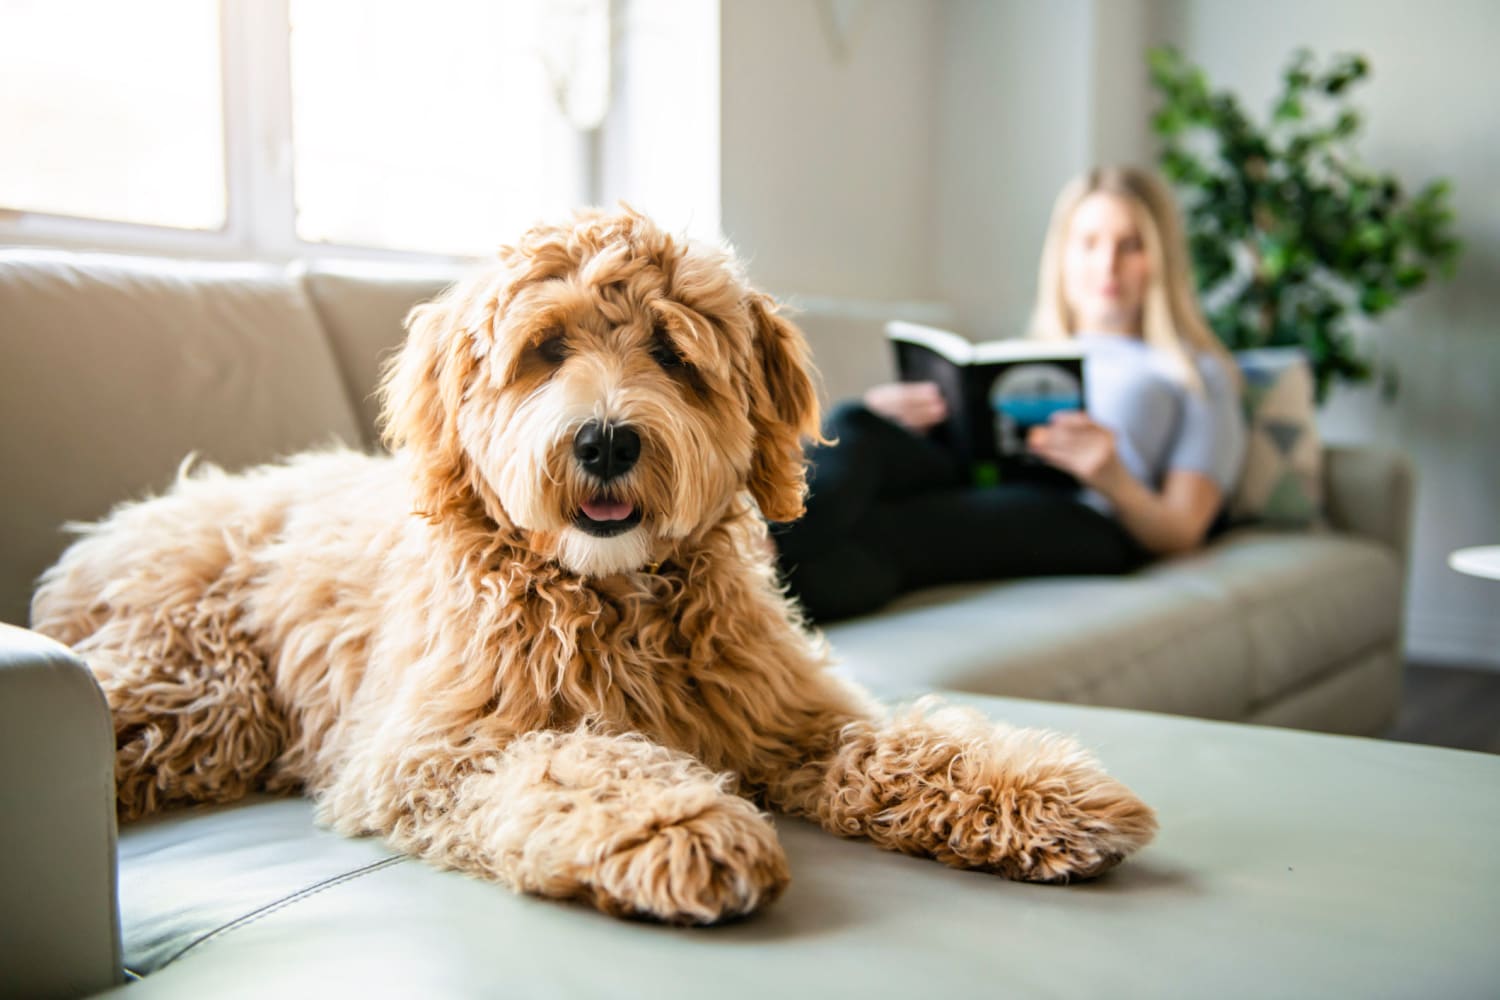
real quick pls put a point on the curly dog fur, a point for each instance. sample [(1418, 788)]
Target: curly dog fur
[(572, 680)]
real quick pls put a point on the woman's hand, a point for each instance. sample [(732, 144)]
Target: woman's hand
[(1073, 442), (1174, 519), (917, 406)]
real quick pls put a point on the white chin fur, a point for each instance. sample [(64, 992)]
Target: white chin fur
[(589, 556)]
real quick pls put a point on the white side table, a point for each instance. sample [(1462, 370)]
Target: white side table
[(1481, 560)]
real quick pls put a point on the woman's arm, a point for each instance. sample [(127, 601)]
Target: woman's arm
[(1176, 519)]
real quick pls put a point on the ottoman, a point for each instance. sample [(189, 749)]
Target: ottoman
[(1288, 864)]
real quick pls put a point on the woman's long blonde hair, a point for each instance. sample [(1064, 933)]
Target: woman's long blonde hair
[(1171, 320)]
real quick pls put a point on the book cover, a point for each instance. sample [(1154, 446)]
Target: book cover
[(996, 391)]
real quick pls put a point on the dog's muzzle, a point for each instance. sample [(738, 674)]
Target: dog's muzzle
[(606, 451)]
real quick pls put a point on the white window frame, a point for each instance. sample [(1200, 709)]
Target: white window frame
[(260, 219)]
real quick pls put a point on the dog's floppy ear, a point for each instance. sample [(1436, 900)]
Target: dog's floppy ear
[(421, 389), (784, 410)]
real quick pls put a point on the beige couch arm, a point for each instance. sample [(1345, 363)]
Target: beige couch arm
[(1368, 491), (59, 925)]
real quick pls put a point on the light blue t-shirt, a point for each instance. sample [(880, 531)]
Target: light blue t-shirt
[(1160, 424)]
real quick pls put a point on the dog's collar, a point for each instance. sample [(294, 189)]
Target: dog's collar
[(661, 567)]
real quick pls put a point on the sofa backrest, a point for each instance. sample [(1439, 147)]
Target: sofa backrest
[(115, 369), (363, 310)]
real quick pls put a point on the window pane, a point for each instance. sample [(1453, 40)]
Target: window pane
[(661, 147), (428, 126), (113, 110)]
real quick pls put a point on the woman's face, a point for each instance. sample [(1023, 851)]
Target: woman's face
[(1105, 266)]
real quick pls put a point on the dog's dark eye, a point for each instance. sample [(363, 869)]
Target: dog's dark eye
[(553, 350), (664, 353)]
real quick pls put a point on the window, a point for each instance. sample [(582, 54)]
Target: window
[(435, 125), (280, 128), (131, 131)]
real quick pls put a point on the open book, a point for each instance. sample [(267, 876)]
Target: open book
[(996, 391)]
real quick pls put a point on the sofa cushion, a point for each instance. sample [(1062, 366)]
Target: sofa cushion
[(115, 369), (1132, 642), (1217, 633), (1358, 696), (1304, 601), (1272, 875), (363, 308)]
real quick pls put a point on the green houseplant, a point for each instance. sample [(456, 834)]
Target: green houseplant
[(1293, 240)]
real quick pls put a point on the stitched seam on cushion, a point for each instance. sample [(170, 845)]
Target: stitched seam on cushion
[(1329, 578), (1240, 609), (1308, 683), (284, 902), (1093, 685), (1331, 575)]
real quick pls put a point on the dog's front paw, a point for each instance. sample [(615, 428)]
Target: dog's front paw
[(720, 863), (1076, 826), (1024, 803)]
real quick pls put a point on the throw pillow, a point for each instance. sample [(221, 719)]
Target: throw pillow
[(1282, 483)]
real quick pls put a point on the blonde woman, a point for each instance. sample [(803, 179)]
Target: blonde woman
[(1157, 452)]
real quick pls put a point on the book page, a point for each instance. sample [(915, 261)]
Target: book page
[(945, 342)]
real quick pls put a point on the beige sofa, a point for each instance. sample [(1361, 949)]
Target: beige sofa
[(120, 368), (115, 369)]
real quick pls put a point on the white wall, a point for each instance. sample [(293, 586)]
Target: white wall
[(1120, 89), (1014, 125), (1031, 94), (1430, 106), (828, 182)]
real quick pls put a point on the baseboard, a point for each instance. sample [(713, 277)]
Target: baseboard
[(1453, 640)]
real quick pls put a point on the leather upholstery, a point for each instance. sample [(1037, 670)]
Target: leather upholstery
[(59, 927), (1288, 864), (1219, 633), (113, 370), (363, 311)]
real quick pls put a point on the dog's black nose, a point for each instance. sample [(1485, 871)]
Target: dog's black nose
[(606, 450)]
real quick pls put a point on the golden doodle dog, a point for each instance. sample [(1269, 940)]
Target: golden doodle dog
[(542, 641)]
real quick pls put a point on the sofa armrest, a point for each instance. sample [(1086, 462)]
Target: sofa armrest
[(59, 922), (1368, 492)]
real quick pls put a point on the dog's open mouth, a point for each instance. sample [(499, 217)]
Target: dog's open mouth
[(603, 517)]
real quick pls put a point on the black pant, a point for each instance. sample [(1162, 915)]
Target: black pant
[(889, 511)]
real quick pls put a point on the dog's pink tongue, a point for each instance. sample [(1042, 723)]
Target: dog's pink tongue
[(607, 510)]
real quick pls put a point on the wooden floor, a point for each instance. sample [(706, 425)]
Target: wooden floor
[(1450, 707)]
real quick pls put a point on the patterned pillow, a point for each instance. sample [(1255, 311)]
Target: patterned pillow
[(1282, 483)]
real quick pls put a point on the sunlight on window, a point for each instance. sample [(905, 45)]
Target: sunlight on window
[(661, 150), (113, 110), (437, 126)]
